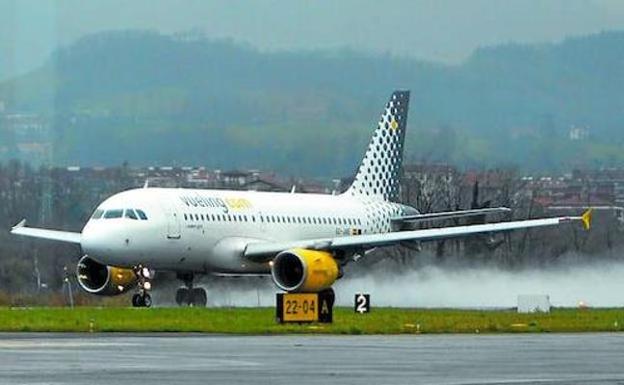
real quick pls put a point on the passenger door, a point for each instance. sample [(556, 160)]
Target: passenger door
[(173, 221)]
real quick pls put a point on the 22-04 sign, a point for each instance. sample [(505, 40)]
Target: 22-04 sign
[(304, 307), (300, 307)]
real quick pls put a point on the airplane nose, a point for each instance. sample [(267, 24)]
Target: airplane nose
[(97, 240)]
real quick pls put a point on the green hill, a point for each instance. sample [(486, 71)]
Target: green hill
[(148, 98)]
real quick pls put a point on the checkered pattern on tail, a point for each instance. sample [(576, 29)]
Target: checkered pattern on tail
[(378, 175)]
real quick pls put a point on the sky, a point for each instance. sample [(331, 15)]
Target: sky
[(436, 30)]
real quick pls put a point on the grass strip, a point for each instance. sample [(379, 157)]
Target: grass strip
[(262, 321)]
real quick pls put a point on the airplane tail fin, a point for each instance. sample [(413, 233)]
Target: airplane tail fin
[(378, 174)]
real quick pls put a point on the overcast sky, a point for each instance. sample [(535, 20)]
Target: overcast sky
[(439, 30)]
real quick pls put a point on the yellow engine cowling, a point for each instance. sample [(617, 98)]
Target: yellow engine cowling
[(303, 270), (99, 279)]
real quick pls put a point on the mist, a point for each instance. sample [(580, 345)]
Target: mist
[(597, 285)]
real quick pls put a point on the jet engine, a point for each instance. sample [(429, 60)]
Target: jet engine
[(303, 270), (96, 278)]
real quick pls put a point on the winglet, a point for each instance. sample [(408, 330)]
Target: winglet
[(586, 218), (21, 223)]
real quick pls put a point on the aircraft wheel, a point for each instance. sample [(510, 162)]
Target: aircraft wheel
[(199, 297), (182, 296), (137, 300), (146, 300)]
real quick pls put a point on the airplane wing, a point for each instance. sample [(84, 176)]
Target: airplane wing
[(264, 251), (54, 235), (451, 214)]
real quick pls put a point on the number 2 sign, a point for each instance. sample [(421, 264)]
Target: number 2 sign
[(362, 303)]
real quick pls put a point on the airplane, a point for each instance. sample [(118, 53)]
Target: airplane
[(302, 240)]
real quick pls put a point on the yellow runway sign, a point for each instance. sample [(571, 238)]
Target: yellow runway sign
[(304, 307)]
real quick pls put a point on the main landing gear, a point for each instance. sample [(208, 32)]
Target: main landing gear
[(189, 295), (144, 285)]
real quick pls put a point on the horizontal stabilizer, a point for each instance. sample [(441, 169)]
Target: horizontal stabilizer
[(451, 214)]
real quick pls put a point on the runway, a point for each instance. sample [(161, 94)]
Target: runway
[(202, 359)]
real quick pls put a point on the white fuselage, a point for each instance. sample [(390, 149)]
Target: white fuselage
[(207, 230)]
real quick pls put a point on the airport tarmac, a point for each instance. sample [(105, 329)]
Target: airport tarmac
[(193, 359)]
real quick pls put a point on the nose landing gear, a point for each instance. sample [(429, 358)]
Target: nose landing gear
[(189, 295), (143, 298)]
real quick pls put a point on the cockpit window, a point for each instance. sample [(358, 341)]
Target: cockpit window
[(141, 214), (113, 214), (129, 213), (97, 214)]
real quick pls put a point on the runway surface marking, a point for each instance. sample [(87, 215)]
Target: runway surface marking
[(27, 344), (199, 359)]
